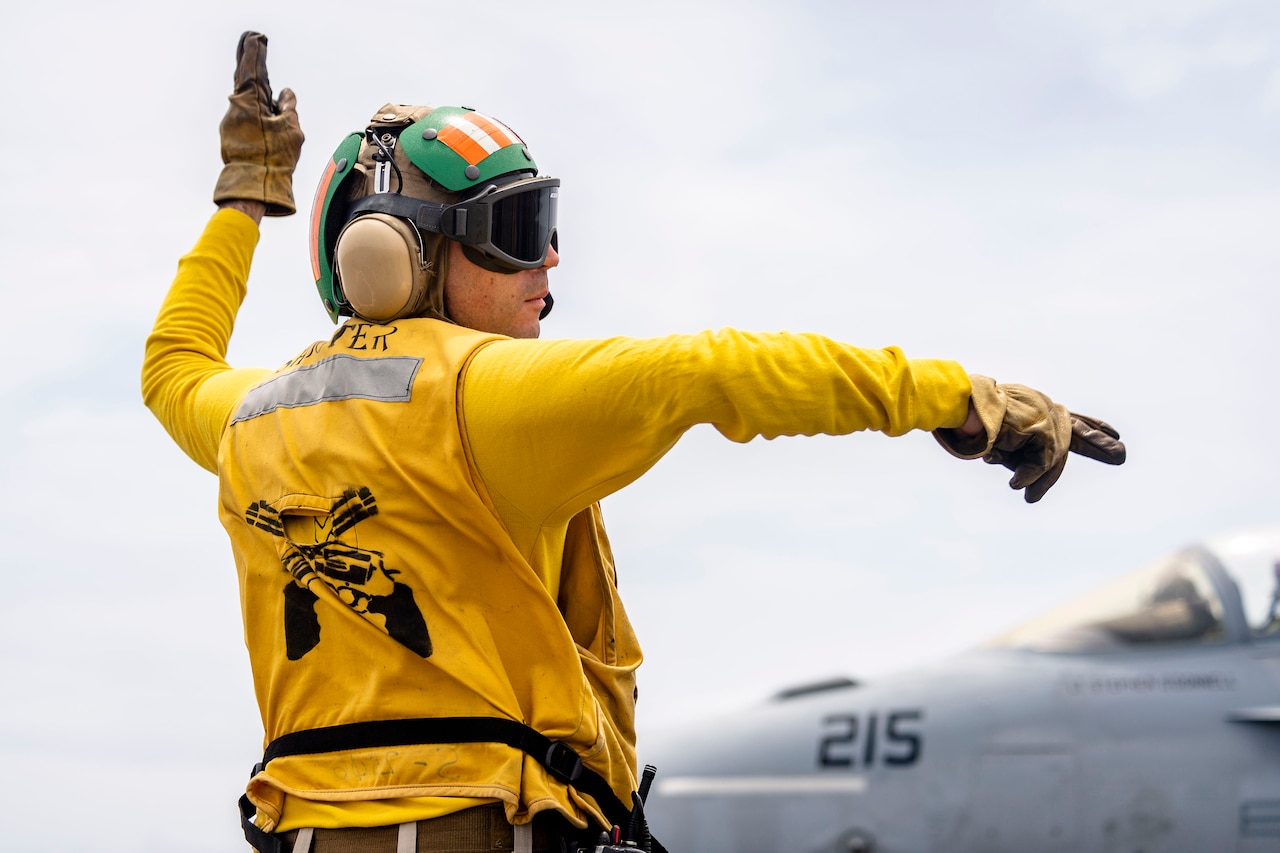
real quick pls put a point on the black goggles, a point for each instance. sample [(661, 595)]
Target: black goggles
[(510, 225)]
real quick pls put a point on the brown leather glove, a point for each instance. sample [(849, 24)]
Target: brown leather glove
[(1031, 435), (261, 137)]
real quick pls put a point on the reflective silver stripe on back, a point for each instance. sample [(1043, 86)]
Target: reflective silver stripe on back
[(338, 377)]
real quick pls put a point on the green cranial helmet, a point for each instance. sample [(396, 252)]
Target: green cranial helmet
[(340, 180), (461, 149), (444, 172)]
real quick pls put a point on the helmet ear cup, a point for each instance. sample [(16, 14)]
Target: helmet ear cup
[(379, 266)]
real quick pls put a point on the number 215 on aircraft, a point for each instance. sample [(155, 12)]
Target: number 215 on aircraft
[(865, 740)]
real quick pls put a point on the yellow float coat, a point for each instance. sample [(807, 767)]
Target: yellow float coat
[(422, 468)]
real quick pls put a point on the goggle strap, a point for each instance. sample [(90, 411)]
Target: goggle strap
[(426, 215), (452, 220)]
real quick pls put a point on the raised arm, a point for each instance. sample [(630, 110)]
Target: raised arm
[(186, 380)]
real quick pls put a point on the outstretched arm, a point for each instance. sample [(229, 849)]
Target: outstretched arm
[(555, 425)]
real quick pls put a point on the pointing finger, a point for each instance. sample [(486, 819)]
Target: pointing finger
[(1097, 440), (251, 68)]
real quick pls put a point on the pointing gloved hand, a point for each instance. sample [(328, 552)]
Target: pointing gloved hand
[(1030, 435), (261, 137)]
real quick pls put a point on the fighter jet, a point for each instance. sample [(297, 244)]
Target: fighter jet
[(1142, 717)]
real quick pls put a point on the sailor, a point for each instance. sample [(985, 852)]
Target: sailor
[(439, 651)]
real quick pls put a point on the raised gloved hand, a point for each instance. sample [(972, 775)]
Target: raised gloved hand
[(1031, 435), (261, 137)]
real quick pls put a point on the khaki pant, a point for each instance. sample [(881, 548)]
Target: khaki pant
[(481, 829)]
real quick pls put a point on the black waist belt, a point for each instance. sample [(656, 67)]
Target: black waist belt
[(559, 760)]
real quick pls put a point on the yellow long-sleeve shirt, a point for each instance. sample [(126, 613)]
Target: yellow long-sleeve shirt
[(555, 425)]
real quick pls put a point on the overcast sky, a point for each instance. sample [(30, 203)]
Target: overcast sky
[(1078, 196)]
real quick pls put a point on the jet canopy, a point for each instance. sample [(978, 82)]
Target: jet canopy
[(1226, 591)]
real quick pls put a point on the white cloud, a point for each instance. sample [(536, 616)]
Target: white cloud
[(1146, 50), (1271, 93)]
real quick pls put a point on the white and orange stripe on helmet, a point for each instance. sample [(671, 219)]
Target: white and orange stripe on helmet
[(474, 136)]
